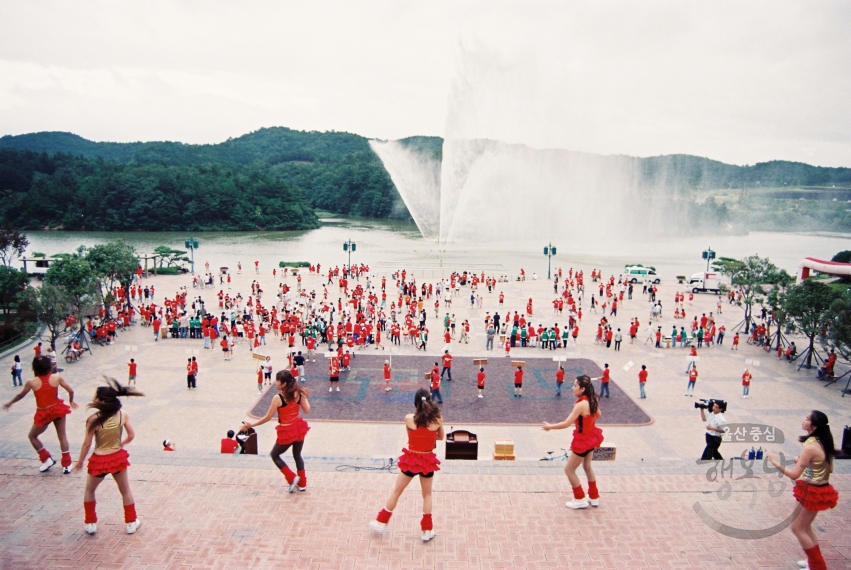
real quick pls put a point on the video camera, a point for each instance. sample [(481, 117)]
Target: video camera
[(708, 404)]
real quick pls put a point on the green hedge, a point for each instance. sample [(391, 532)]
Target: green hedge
[(293, 264)]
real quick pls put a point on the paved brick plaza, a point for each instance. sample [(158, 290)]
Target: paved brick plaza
[(203, 510)]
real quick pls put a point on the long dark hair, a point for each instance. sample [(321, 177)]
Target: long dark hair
[(42, 365), (822, 433), (427, 411), (291, 389), (107, 403), (588, 391)]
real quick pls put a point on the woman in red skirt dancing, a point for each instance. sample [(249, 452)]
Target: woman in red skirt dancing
[(586, 437), (49, 410), (292, 428), (425, 427), (811, 474), (109, 457)]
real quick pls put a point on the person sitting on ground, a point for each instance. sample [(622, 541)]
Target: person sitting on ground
[(229, 444)]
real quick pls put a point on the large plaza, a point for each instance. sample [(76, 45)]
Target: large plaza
[(659, 508)]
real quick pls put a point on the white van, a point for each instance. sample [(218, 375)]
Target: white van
[(637, 273)]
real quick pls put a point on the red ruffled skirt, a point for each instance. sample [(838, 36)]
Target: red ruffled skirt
[(582, 442), (815, 497), (58, 410), (414, 462), (293, 432), (111, 463)]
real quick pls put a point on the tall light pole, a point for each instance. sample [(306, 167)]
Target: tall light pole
[(549, 251), (350, 246), (191, 244), (708, 255)]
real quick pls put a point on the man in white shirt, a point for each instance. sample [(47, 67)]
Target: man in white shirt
[(715, 424)]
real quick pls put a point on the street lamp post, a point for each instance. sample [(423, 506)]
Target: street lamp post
[(350, 246), (191, 244), (549, 251), (708, 255)]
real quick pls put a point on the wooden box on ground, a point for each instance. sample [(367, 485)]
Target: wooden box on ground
[(461, 444), (503, 450), (605, 453)]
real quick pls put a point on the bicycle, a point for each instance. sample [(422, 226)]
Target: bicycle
[(564, 456)]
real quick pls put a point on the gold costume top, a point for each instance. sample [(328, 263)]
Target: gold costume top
[(108, 437), (817, 472)]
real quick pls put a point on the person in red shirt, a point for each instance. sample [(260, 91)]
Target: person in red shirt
[(518, 382), (37, 348), (692, 378), (225, 344), (559, 379), (156, 326), (447, 366), (642, 380), (746, 383), (480, 381), (435, 385), (189, 378), (604, 381), (692, 358), (50, 409), (131, 378), (229, 444), (387, 375), (334, 374)]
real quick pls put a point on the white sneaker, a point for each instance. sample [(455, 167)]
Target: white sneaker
[(330, 389), (338, 389), (577, 504), (48, 463), (803, 564), (90, 528), (377, 527), (428, 535), (294, 484), (480, 396), (66, 470), (133, 526), (594, 502)]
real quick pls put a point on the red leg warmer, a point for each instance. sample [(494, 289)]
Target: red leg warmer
[(91, 515), (578, 493), (302, 479), (130, 512), (288, 474), (814, 558), (593, 493), (384, 516), (66, 459), (43, 454), (426, 523)]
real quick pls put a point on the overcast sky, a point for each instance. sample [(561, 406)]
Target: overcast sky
[(740, 82)]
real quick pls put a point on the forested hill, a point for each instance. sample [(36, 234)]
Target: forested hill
[(337, 172)]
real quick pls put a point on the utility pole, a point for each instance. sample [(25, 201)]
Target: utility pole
[(191, 244), (350, 246)]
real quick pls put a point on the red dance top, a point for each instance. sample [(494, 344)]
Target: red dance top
[(422, 439), (585, 424), (288, 413), (46, 396)]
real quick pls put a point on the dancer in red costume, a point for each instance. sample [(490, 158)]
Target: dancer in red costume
[(586, 437), (109, 457), (425, 427), (811, 474), (292, 428), (49, 410)]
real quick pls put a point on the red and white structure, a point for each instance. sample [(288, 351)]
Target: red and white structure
[(827, 267)]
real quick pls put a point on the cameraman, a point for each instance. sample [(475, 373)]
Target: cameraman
[(714, 429)]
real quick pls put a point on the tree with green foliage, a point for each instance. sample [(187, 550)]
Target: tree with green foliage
[(170, 256), (775, 301), (75, 275), (843, 256), (750, 275), (50, 304), (808, 308), (12, 283), (113, 265), (12, 245), (838, 334)]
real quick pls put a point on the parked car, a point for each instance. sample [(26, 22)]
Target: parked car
[(636, 273)]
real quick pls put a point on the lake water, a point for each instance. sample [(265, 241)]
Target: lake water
[(388, 244)]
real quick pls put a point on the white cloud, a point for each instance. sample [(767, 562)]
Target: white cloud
[(739, 82)]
